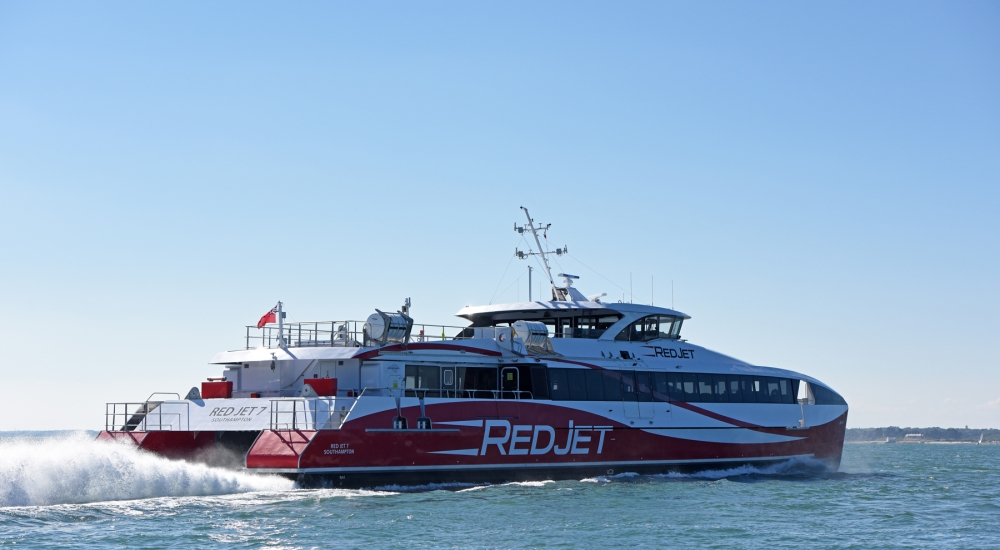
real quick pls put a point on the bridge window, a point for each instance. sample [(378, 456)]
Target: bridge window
[(648, 328), (593, 327), (826, 396)]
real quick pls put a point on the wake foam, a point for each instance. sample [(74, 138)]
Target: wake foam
[(796, 467), (76, 469)]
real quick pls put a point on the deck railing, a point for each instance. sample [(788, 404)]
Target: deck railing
[(148, 416), (336, 334), (351, 334)]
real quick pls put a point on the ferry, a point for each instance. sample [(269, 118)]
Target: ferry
[(569, 387)]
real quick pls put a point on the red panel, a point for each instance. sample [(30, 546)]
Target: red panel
[(278, 449), (134, 437), (216, 390), (177, 444), (323, 386)]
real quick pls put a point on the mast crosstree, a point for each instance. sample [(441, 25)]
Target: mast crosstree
[(558, 293)]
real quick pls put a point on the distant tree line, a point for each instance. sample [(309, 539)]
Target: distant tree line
[(929, 434)]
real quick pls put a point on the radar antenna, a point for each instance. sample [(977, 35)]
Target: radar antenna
[(558, 293)]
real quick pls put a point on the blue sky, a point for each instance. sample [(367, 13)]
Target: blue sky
[(819, 181)]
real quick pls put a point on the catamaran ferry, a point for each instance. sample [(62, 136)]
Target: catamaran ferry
[(569, 387)]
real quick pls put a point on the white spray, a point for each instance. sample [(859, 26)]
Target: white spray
[(74, 469)]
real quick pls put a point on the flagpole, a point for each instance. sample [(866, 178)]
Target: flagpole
[(281, 328)]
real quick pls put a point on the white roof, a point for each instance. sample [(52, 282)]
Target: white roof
[(471, 312)]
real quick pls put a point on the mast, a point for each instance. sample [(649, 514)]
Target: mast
[(541, 251), (529, 283), (558, 293)]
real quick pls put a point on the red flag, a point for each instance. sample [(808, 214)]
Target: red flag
[(269, 317)]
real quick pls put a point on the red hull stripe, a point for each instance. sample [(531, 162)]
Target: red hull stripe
[(430, 346), (716, 416)]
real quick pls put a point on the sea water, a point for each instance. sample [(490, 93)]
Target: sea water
[(68, 491)]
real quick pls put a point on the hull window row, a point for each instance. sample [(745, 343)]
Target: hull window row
[(540, 382), (607, 385), (509, 382)]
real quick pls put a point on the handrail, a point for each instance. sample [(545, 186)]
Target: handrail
[(136, 415), (311, 420), (150, 398), (351, 334)]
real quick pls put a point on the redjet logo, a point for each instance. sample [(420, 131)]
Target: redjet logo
[(528, 439)]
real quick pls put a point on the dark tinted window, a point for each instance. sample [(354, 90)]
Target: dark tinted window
[(720, 388), (577, 384), (826, 396), (691, 388), (735, 391), (660, 390), (760, 389), (749, 391), (647, 328), (628, 385), (643, 387), (612, 386), (773, 390), (786, 391), (593, 327), (675, 386), (477, 381), (558, 388), (705, 388), (595, 385), (539, 383)]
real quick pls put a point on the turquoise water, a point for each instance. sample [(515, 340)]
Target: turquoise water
[(68, 491)]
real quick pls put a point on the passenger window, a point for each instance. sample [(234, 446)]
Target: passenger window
[(760, 389), (735, 392), (558, 388), (719, 388), (478, 382), (705, 388), (595, 385), (539, 383), (691, 394), (577, 384), (643, 387), (675, 386), (786, 391), (749, 389), (660, 390), (628, 385), (425, 377), (612, 385), (773, 390)]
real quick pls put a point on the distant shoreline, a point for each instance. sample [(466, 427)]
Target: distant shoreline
[(895, 434)]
